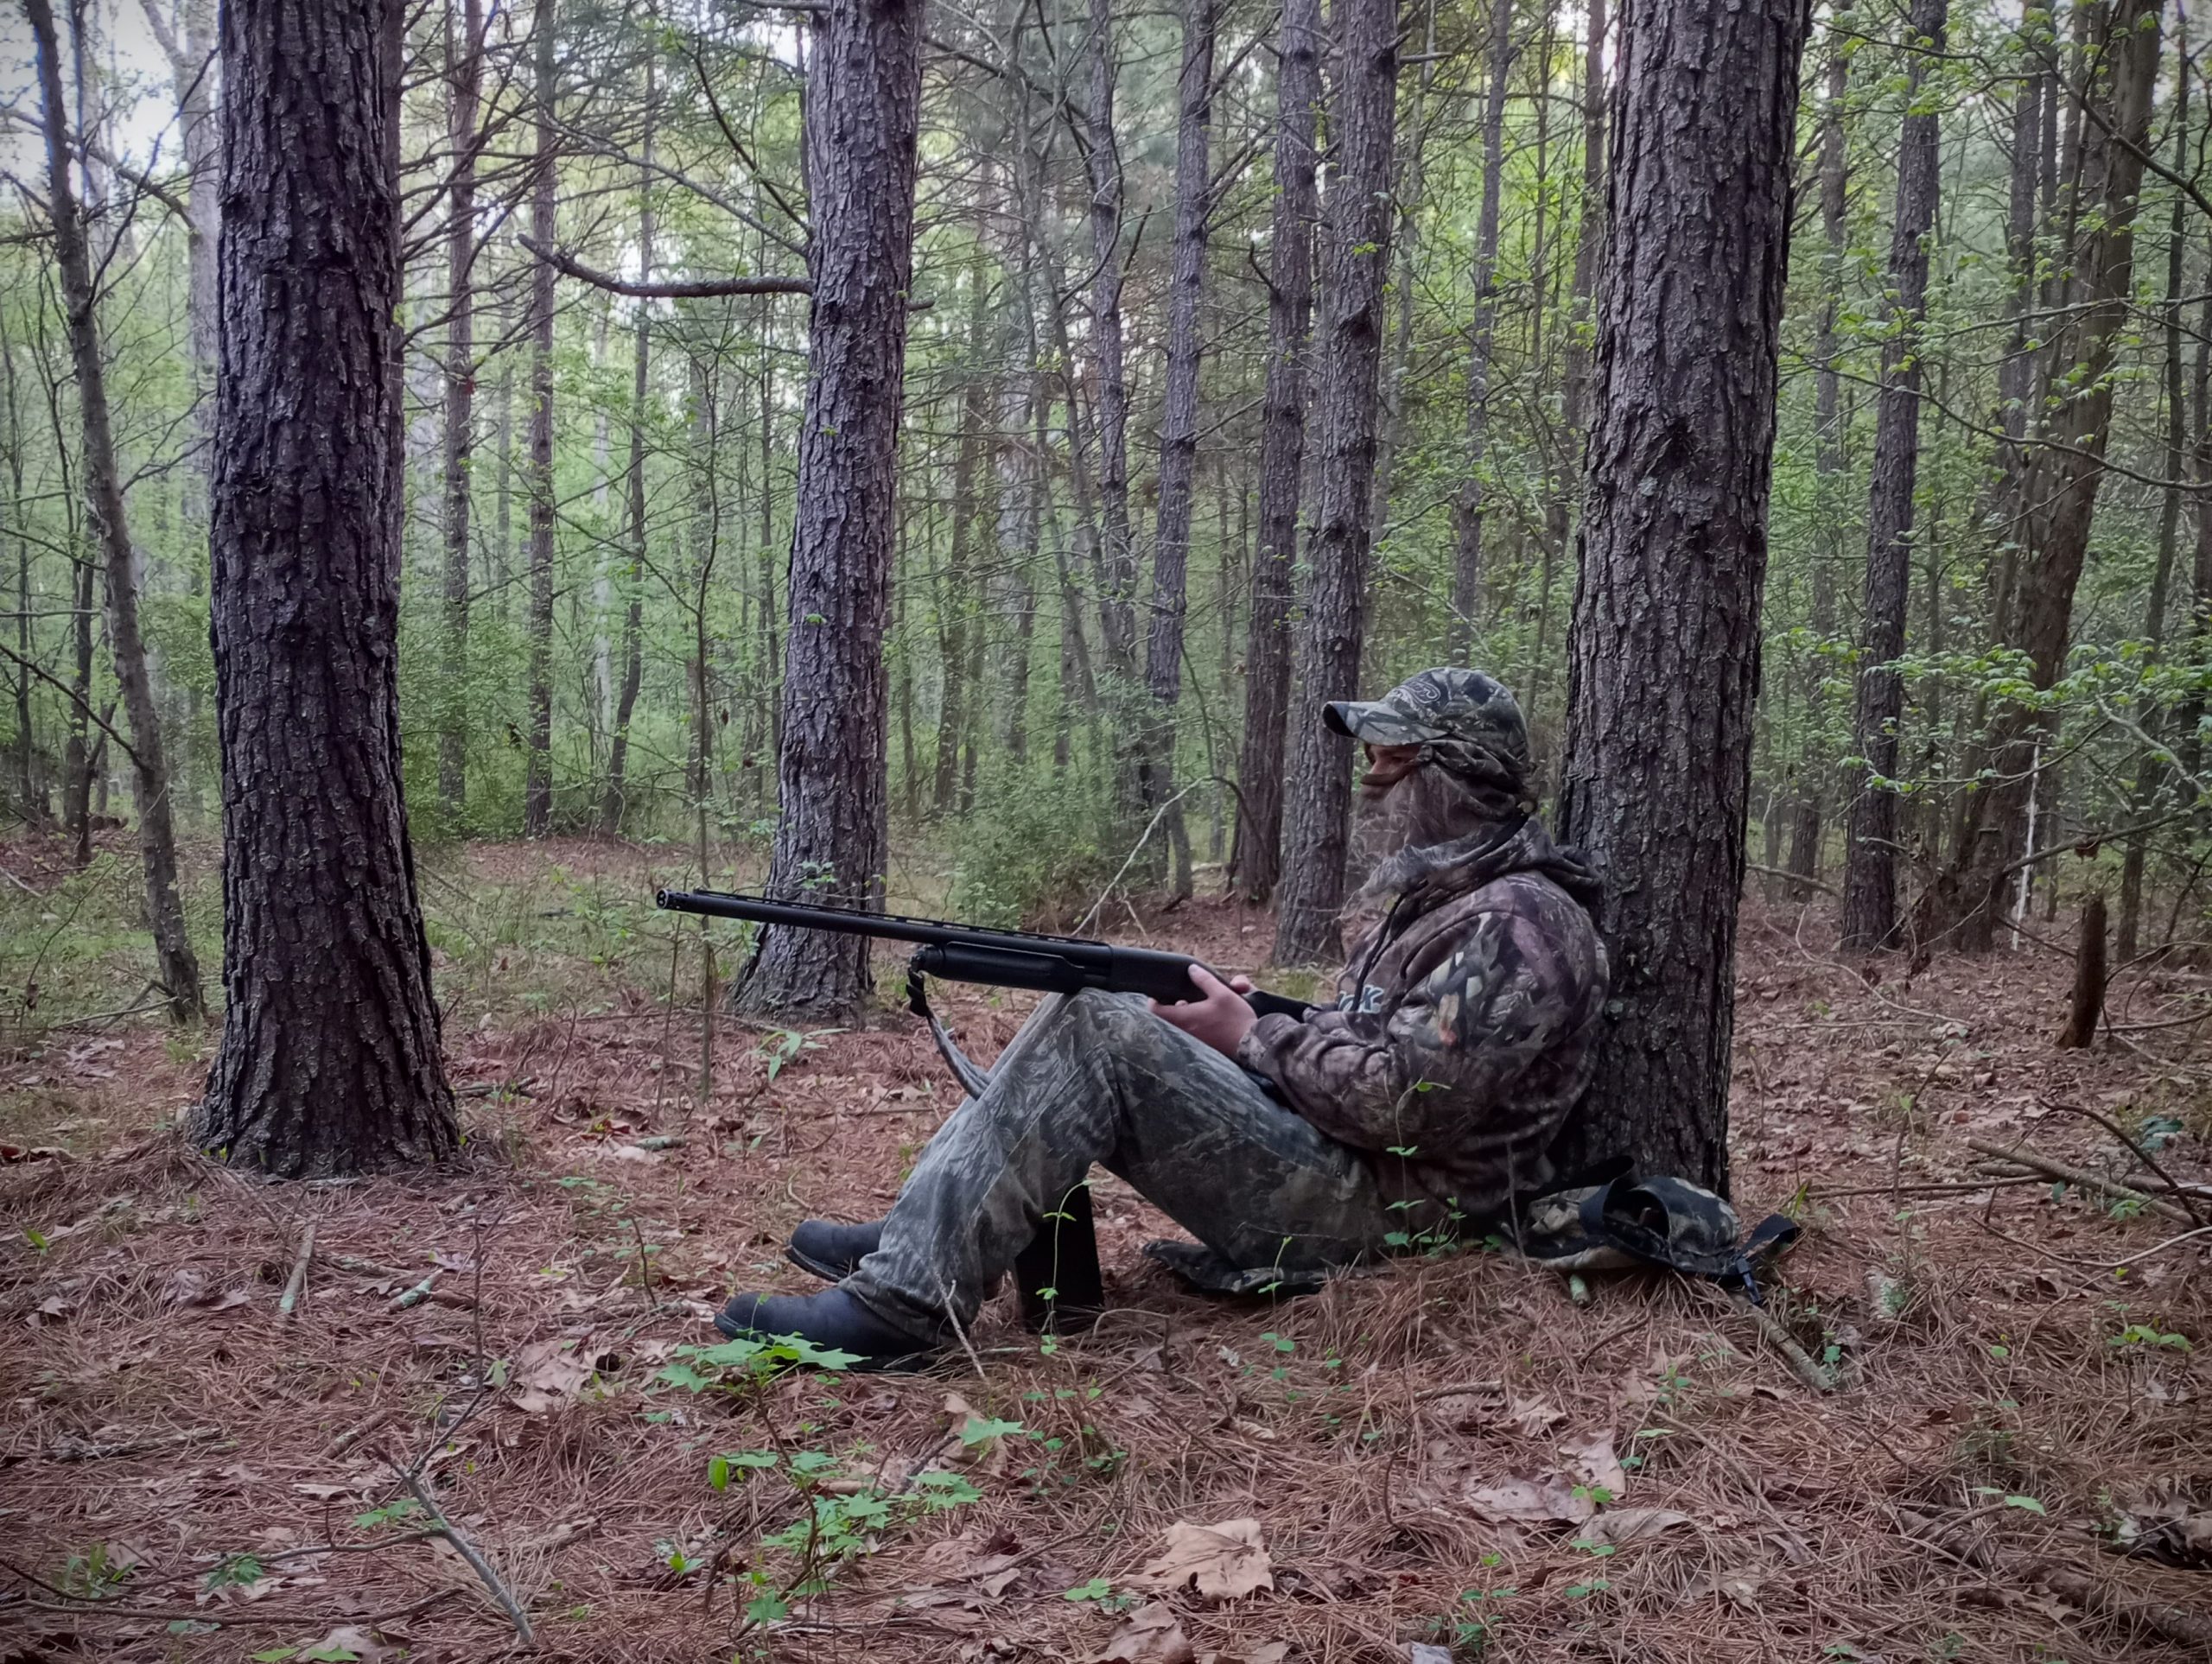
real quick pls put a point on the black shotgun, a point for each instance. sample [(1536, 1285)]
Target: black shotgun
[(968, 952)]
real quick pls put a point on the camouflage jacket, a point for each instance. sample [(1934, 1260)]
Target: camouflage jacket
[(1461, 1039)]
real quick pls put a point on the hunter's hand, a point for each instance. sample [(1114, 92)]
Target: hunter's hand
[(1220, 1019)]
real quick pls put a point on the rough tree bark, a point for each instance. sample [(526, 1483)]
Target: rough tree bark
[(1357, 240), (1179, 432), (329, 1061), (1467, 510), (1663, 659), (464, 68), (1870, 865), (537, 784), (1255, 858), (862, 114), (179, 970), (2057, 498), (633, 615)]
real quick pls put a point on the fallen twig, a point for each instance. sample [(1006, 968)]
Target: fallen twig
[(1818, 1376), (78, 1450), (468, 1551), (2141, 1154), (221, 1615), (361, 1430), (297, 1284), (416, 1295), (2022, 1157)]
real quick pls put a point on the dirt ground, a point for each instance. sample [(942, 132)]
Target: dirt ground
[(1456, 1453)]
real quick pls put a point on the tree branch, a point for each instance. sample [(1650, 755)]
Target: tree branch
[(707, 288)]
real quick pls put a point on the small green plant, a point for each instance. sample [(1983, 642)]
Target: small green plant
[(97, 1570), (1101, 1594), (2145, 1335)]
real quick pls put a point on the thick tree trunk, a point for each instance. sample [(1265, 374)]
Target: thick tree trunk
[(862, 113), (538, 785), (1178, 431), (2059, 497), (633, 663), (1468, 512), (1808, 829), (1870, 867), (179, 969), (1357, 238), (1255, 858), (1665, 646), (464, 65), (329, 1061)]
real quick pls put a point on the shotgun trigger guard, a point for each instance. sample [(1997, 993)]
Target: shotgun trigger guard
[(972, 1080)]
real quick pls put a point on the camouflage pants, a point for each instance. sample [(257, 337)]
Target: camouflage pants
[(1097, 1078)]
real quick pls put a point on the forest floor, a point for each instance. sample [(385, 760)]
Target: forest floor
[(1454, 1452)]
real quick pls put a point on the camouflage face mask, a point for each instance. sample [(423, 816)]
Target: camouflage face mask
[(1465, 722)]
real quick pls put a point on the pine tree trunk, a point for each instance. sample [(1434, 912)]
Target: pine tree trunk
[(329, 1061), (538, 785), (179, 970), (1665, 643), (1357, 238), (2059, 495), (1178, 431), (1117, 546), (2150, 766), (957, 621), (626, 698), (1468, 512), (1807, 826), (1870, 868), (1256, 858), (862, 113), (464, 59)]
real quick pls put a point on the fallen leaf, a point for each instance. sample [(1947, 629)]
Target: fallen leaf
[(1739, 1589), (1226, 1561), (1538, 1499), (1621, 1526), (973, 1439), (1533, 1417), (1591, 1461), (349, 1641), (548, 1370), (1151, 1634), (186, 1287), (1268, 1652)]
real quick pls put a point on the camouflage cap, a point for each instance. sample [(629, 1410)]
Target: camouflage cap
[(1437, 708)]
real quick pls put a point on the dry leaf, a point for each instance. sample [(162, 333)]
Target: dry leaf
[(548, 1370), (1634, 1525), (986, 1455), (1539, 1499), (1226, 1561), (1737, 1588), (1591, 1461), (186, 1287), (350, 1638), (1533, 1417), (1268, 1652), (1150, 1634)]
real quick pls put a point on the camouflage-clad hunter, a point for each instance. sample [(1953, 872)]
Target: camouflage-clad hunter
[(1463, 1035)]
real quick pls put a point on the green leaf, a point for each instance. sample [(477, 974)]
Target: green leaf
[(979, 1431), (36, 1238), (766, 1609), (2027, 1502)]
